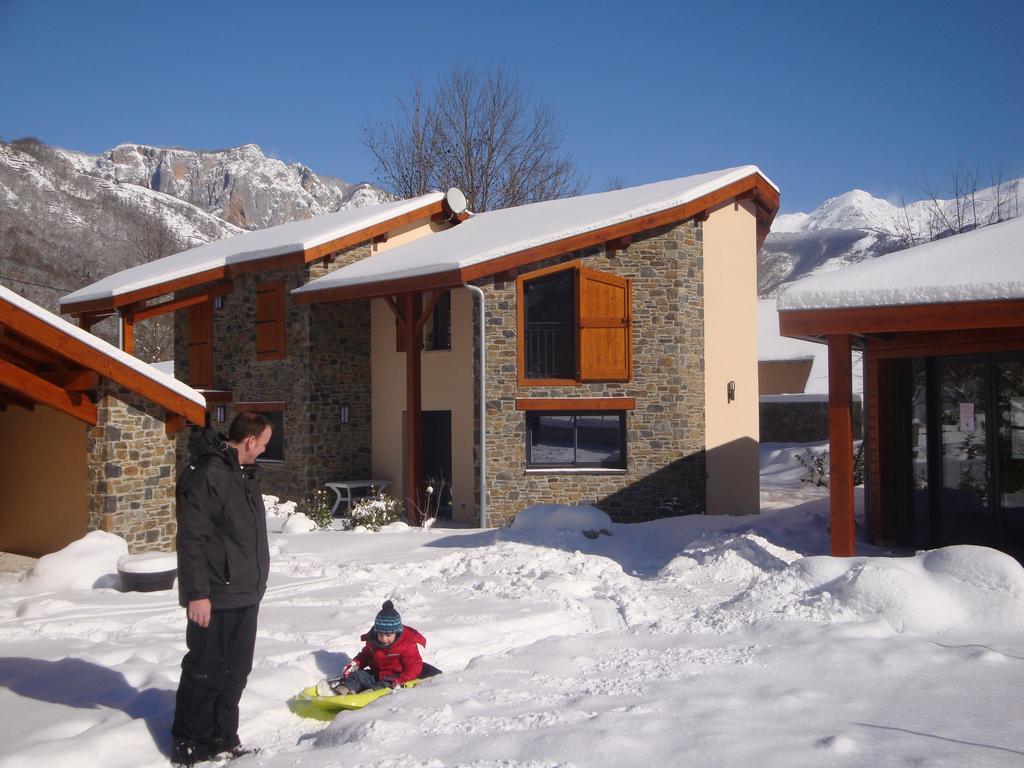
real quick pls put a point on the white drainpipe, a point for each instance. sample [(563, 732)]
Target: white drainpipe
[(483, 407)]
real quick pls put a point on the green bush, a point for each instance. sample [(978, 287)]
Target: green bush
[(376, 511), (816, 467), (318, 508)]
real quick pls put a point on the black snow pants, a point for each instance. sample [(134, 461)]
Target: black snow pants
[(213, 676)]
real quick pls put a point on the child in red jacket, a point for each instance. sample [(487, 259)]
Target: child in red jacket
[(389, 658)]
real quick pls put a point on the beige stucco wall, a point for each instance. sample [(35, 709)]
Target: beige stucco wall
[(408, 233), (783, 377), (730, 332), (44, 480), (447, 386)]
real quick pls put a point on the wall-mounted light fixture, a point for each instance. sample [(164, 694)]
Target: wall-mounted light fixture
[(219, 413), (730, 390), (344, 413), (218, 302)]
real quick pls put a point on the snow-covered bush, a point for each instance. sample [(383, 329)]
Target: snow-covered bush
[(298, 523), (317, 508), (86, 563), (377, 511)]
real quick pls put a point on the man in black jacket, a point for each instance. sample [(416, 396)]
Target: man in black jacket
[(223, 561)]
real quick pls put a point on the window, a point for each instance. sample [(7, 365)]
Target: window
[(275, 415), (270, 321), (549, 320), (577, 439), (574, 325), (439, 326), (437, 331), (275, 448)]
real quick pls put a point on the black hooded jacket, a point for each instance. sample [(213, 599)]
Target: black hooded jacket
[(222, 527)]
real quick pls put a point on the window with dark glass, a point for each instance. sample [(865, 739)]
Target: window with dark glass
[(439, 327), (549, 316), (437, 331), (578, 439), (573, 325), (275, 448)]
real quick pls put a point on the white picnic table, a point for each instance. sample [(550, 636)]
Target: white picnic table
[(343, 490)]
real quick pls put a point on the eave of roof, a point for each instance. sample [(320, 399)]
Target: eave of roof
[(970, 281), (473, 250), (88, 351), (294, 243)]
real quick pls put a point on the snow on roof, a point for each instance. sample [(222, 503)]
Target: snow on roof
[(490, 235), (985, 264), (101, 346), (292, 237)]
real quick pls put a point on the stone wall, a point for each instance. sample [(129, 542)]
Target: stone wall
[(664, 472), (326, 364), (131, 471), (800, 420)]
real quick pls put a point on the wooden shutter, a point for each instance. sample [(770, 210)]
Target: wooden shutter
[(200, 345), (605, 333), (270, 321)]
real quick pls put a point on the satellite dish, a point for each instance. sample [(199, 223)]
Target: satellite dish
[(455, 200)]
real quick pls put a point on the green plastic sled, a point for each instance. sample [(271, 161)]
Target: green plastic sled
[(308, 704)]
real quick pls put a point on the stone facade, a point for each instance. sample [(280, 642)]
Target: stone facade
[(801, 420), (326, 364), (131, 471), (664, 473)]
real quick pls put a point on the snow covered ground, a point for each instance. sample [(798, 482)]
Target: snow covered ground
[(690, 641)]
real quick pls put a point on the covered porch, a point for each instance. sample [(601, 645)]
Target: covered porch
[(941, 327)]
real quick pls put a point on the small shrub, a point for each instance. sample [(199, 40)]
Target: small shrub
[(376, 511), (317, 508), (816, 467)]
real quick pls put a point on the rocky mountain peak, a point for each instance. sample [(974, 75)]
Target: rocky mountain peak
[(240, 184)]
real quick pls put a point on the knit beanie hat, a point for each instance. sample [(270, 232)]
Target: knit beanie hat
[(388, 619)]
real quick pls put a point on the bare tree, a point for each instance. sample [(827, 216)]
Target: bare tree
[(963, 210), (477, 132), (964, 213), (617, 181), (152, 239), (902, 229), (405, 150)]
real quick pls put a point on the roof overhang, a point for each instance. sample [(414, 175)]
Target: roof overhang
[(42, 364), (96, 309), (944, 317), (755, 187)]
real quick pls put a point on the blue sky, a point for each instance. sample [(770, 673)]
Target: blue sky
[(823, 97)]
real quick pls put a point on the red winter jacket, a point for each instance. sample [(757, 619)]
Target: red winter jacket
[(399, 661)]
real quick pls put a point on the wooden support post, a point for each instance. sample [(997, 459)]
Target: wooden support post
[(840, 446), (413, 406), (127, 321)]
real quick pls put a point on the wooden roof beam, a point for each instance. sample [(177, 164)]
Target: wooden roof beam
[(43, 392), (73, 381), (173, 305), (20, 346), (9, 398), (435, 296), (86, 356), (947, 316), (174, 424)]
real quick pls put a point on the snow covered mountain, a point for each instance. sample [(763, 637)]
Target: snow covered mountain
[(68, 218), (856, 225), (240, 185)]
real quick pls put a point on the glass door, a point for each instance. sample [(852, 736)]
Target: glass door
[(966, 515), (1010, 459)]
